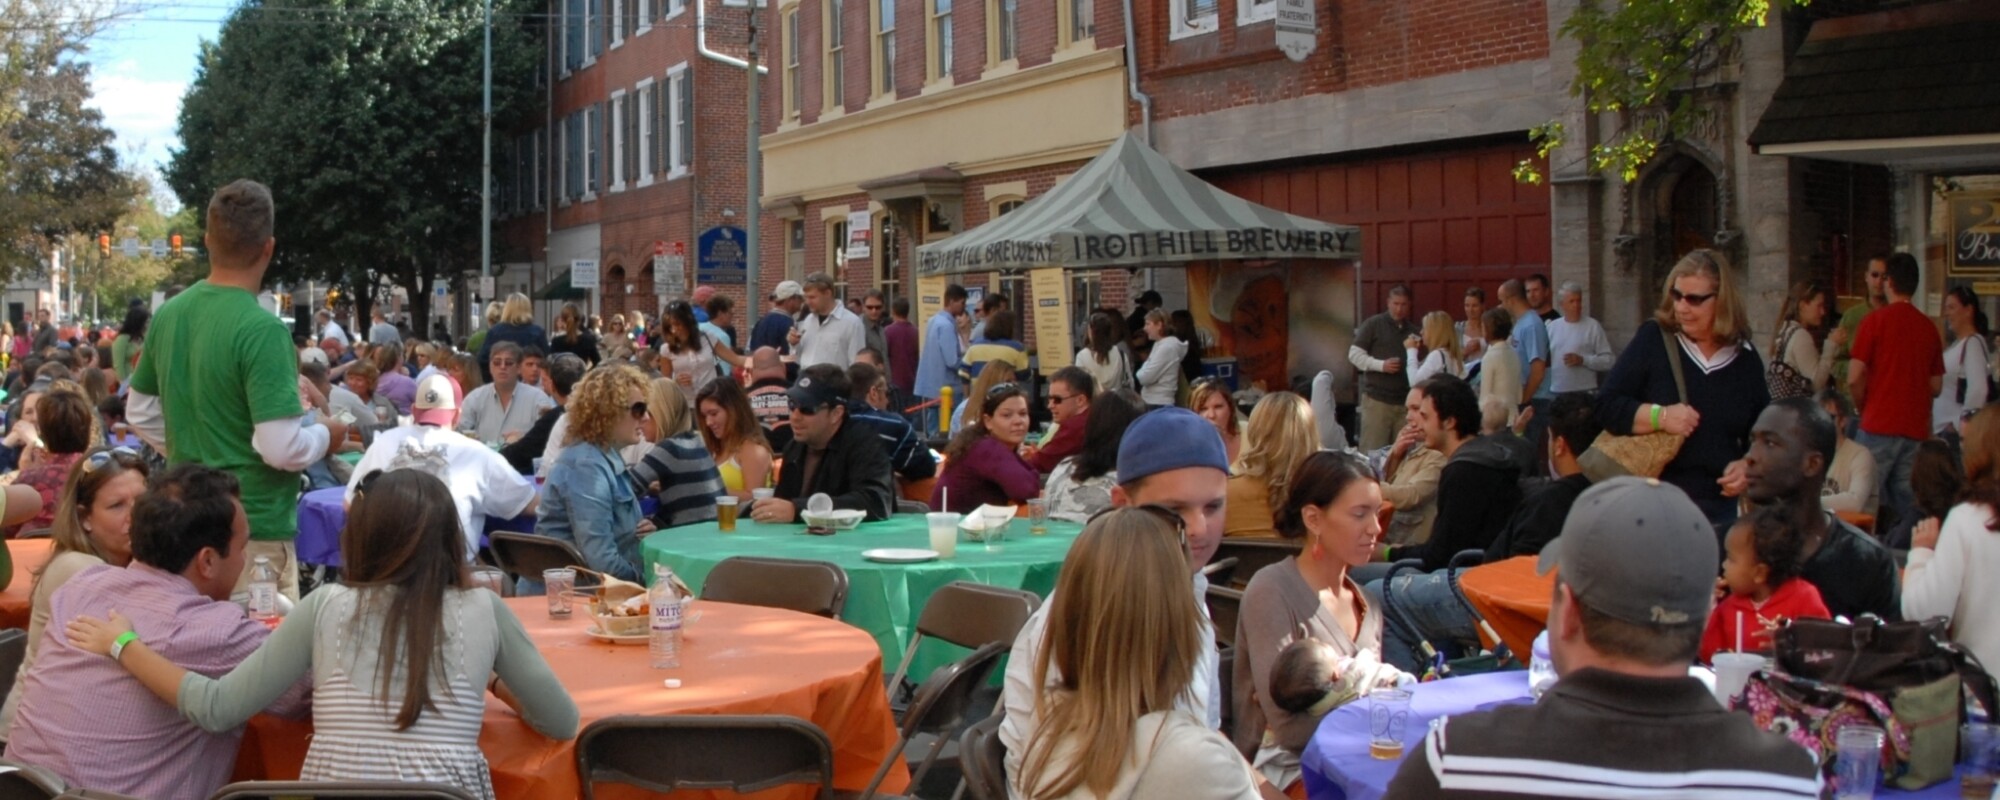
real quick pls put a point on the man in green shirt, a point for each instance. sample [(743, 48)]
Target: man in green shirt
[(217, 383), (1851, 321)]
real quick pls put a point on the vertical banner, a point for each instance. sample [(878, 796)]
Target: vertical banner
[(1050, 288), (1241, 311), (930, 300)]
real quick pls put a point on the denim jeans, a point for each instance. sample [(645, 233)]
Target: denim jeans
[(1893, 456), (1423, 606)]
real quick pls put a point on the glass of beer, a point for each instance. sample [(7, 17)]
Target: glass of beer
[(725, 513), (1388, 716), (1038, 517)]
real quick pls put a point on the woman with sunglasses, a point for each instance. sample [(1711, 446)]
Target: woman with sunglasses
[(983, 464), (1124, 635), (1964, 389), (93, 522), (588, 501), (966, 408), (1333, 510), (1701, 333)]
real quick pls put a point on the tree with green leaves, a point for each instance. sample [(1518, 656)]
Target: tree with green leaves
[(1645, 62), (363, 116)]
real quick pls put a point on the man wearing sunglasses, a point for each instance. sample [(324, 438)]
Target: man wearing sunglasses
[(1173, 459), (1069, 406), (828, 455), (504, 410)]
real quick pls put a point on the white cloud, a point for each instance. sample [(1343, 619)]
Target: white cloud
[(142, 111)]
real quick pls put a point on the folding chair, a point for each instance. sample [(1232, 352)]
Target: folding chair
[(939, 708), (968, 615), (1255, 554), (525, 555), (20, 781), (735, 753), (811, 587), (984, 759), (338, 790)]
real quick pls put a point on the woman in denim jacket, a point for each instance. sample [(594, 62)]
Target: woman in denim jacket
[(588, 501)]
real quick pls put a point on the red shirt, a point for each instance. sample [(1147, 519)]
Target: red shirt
[(1067, 442), (1903, 352), (1794, 599)]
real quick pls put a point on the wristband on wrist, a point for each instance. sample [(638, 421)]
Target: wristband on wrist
[(1656, 416), (118, 644)]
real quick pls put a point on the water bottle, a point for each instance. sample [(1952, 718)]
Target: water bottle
[(665, 641), (263, 589), (1541, 668)]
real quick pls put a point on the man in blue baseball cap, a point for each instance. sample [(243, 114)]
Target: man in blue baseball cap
[(1174, 459)]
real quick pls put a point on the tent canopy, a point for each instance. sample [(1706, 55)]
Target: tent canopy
[(558, 288), (1131, 207)]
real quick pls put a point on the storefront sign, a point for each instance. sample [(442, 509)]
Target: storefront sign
[(1975, 235), (858, 236), (719, 256), (583, 273), (1050, 290), (930, 300)]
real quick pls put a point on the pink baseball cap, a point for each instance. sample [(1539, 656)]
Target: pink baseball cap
[(436, 402)]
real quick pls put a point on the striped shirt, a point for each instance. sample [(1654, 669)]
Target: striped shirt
[(689, 482), (1602, 734)]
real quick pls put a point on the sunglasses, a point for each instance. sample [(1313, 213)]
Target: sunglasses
[(126, 457), (1002, 388), (1695, 300), (1058, 399), (1163, 513), (639, 410)]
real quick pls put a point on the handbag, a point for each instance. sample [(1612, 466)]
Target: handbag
[(1783, 379), (1644, 455), (1812, 713), (1991, 393)]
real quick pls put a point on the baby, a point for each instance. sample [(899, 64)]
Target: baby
[(1760, 568), (1311, 677)]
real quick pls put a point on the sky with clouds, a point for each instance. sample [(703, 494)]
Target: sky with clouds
[(140, 68)]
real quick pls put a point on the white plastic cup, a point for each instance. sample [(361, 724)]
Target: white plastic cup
[(944, 532), (1857, 762), (1732, 673), (762, 494)]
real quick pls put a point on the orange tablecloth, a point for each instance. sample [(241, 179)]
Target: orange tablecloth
[(1512, 598), (736, 660), (16, 601)]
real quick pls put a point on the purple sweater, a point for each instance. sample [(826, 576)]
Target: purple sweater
[(990, 473)]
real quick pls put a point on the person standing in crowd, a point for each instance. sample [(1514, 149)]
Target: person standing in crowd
[(828, 454), (588, 500), (829, 334), (1160, 377), (1280, 436), (874, 320), (1851, 483), (768, 402), (735, 441), (1964, 388), (1785, 466), (1796, 345), (491, 316), (1898, 368), (1700, 323), (1333, 512), (1409, 478), (45, 331), (570, 336), (329, 329), (1210, 398), (1577, 345), (1472, 331), (1535, 523), (505, 409), (1949, 558), (382, 332), (1539, 298), (908, 455), (131, 339), (721, 312), (697, 357), (774, 330), (190, 539), (1441, 341), (1631, 602), (1135, 325), (218, 382), (1080, 485), (994, 341), (1876, 278), (937, 367), (1102, 356), (1531, 342), (1070, 393), (903, 354), (677, 469), (994, 301), (983, 461), (543, 441), (1377, 354), (517, 325)]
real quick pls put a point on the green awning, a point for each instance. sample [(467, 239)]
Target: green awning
[(558, 288)]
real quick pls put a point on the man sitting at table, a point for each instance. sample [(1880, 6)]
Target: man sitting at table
[(1174, 459), (768, 383), (829, 454), (1070, 390), (1572, 427), (504, 410), (909, 456), (87, 720), (482, 483), (1632, 598), (1791, 446)]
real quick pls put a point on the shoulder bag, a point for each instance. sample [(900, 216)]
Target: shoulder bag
[(1784, 379), (1644, 455)]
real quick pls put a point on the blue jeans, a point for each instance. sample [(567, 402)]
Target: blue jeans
[(1893, 456), (1423, 606)]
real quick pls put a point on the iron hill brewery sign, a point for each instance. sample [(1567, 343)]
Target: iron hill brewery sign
[(1110, 249)]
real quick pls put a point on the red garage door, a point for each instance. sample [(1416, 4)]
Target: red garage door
[(1439, 222)]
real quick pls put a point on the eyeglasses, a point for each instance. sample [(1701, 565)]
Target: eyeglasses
[(1164, 514), (639, 410), (1058, 399), (498, 363), (1695, 300), (126, 457), (807, 410)]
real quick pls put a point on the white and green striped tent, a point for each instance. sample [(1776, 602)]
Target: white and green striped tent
[(1131, 207)]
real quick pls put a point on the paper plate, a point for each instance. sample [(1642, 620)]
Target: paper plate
[(898, 555), (636, 638)]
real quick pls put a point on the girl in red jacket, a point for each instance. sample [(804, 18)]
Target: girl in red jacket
[(1760, 569)]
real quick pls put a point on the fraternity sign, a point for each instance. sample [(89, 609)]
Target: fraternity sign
[(1087, 250), (583, 273), (1298, 28), (669, 276), (930, 300), (1975, 235), (858, 237), (1050, 288)]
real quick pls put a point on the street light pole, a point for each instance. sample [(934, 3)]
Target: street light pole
[(486, 158), (753, 176)]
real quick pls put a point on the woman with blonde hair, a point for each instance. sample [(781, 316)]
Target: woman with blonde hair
[(587, 500), (1440, 339), (1282, 433), (734, 439), (677, 467), (1124, 636), (1796, 353), (1699, 336), (1210, 398), (572, 337), (517, 325)]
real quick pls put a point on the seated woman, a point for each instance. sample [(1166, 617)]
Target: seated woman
[(1080, 485), (1334, 507), (1951, 559), (588, 501), (995, 345), (678, 469), (1124, 634), (983, 464), (93, 521), (1210, 398), (1851, 483), (67, 424), (964, 411), (1282, 433), (735, 441), (417, 645)]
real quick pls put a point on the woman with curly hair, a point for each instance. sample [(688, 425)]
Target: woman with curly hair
[(588, 501)]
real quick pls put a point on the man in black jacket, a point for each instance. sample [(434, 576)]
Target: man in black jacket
[(828, 455)]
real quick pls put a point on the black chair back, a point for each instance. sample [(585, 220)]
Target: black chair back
[(525, 555), (735, 753), (1254, 554), (984, 759), (1224, 604), (20, 781), (940, 707), (811, 587)]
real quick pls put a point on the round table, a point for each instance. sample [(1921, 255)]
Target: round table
[(1512, 598), (735, 660), (323, 512), (882, 599)]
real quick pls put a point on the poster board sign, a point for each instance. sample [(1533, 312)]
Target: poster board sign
[(583, 273), (1244, 311), (930, 300), (1975, 235), (721, 256), (1053, 346), (859, 237), (670, 276)]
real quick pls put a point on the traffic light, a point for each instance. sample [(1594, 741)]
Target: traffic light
[(104, 245), (174, 242)]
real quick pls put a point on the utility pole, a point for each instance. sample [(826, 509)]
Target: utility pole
[(753, 180), (486, 158)]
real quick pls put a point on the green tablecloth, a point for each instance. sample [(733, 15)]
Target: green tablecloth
[(351, 458), (882, 599)]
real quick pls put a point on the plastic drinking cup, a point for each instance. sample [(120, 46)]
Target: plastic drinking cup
[(1978, 759), (1038, 517), (1732, 673), (1388, 716), (762, 494), (725, 513), (1857, 762), (944, 532), (561, 585)]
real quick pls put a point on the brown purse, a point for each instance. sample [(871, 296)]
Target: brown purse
[(1644, 455)]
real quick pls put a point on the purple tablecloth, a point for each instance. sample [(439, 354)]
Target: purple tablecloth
[(1338, 767), (322, 514)]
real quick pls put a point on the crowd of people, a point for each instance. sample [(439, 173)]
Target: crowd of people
[(1479, 439)]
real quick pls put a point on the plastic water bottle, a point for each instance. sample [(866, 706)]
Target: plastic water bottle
[(665, 641), (1541, 668), (263, 589)]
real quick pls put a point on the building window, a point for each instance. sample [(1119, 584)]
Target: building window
[(661, 132), (1004, 207), (616, 20), (675, 7), (632, 17), (885, 47), (791, 34), (1191, 17), (832, 69), (684, 122), (941, 41), (1254, 11), (647, 131), (596, 24), (572, 166), (1086, 294), (888, 258), (618, 141), (1000, 30), (593, 145), (574, 24), (836, 250), (630, 150), (1082, 20)]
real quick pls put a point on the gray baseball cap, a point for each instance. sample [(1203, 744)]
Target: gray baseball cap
[(1638, 550)]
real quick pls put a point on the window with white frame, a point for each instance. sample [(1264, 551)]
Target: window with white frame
[(616, 20), (940, 39), (630, 117), (618, 141), (659, 146), (1190, 17), (632, 17), (675, 7), (833, 69), (648, 130), (885, 47), (679, 122), (888, 258), (574, 25), (572, 166), (792, 80), (1253, 11), (596, 24), (836, 249), (1082, 20), (593, 146)]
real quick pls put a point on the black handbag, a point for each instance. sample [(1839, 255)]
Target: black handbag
[(1880, 657)]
